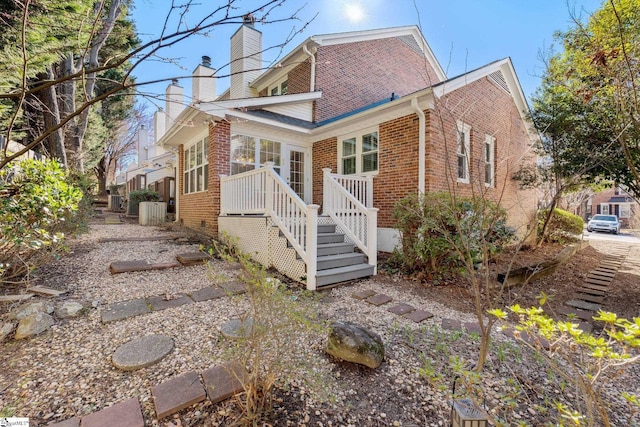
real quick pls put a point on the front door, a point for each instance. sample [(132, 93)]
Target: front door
[(296, 170)]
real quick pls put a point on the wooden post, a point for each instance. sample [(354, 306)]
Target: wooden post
[(372, 237), (312, 245)]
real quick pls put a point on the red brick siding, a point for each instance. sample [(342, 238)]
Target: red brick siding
[(397, 165), (489, 111), (354, 75), (299, 78), (205, 206), (492, 112), (324, 155)]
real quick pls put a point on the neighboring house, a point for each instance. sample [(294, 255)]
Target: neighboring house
[(344, 126), (14, 147), (156, 166), (614, 201)]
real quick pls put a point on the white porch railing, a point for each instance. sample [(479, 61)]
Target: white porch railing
[(348, 201), (263, 191)]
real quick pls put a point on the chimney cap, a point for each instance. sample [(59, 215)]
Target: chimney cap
[(248, 19), (206, 61)]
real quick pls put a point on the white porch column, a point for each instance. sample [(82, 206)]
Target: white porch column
[(372, 238), (312, 245)]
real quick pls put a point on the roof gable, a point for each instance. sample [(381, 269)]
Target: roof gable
[(410, 35)]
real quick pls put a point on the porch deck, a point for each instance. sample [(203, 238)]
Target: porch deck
[(272, 222)]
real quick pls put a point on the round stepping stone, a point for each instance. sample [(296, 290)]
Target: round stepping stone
[(142, 352), (237, 328)]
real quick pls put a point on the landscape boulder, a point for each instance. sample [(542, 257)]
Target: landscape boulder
[(69, 309), (32, 308), (353, 343), (5, 330), (33, 324)]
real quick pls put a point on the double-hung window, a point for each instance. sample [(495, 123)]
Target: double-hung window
[(463, 151), (489, 162), (249, 153), (196, 167), (279, 88), (358, 153)]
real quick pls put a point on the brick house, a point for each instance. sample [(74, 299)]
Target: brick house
[(330, 138), (614, 201)]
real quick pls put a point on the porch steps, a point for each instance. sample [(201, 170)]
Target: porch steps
[(342, 274), (337, 261)]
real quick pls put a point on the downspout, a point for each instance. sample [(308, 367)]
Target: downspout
[(422, 144), (312, 86)]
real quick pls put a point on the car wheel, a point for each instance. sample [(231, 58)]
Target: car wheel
[(589, 230)]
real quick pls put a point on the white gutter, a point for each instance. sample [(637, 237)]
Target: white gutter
[(312, 86), (422, 144)]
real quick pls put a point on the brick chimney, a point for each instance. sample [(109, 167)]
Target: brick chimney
[(203, 84), (246, 58), (175, 103)]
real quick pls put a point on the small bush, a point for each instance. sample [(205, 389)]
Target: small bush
[(441, 234), (563, 226), (137, 196), (35, 198)]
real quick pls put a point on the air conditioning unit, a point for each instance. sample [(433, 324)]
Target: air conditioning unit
[(152, 213)]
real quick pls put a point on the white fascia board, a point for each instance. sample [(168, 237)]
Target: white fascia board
[(273, 123), (388, 111), (263, 101), (366, 35), (274, 73), (505, 66), (186, 121)]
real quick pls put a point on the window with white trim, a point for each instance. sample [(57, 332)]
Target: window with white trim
[(279, 88), (625, 210), (358, 153), (489, 163), (196, 167), (249, 153), (462, 151)]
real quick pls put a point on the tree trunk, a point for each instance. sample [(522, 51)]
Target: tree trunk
[(51, 117)]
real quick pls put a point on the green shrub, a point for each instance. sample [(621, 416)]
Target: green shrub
[(441, 234), (137, 196), (35, 198), (563, 226)]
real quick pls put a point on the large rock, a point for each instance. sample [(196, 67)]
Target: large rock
[(69, 309), (353, 343), (33, 324), (6, 329), (32, 308)]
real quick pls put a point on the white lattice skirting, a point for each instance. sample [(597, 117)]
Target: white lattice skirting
[(257, 236)]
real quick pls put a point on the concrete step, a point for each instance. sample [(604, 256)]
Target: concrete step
[(588, 297), (339, 260), (583, 305), (343, 274), (576, 313), (335, 248), (592, 291)]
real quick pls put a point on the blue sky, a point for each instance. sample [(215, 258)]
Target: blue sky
[(463, 34)]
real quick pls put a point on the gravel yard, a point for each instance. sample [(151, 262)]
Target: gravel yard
[(67, 372)]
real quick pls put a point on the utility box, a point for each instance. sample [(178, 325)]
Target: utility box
[(114, 203), (152, 213), (465, 413)]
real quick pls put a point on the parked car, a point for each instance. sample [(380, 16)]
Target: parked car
[(608, 223)]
